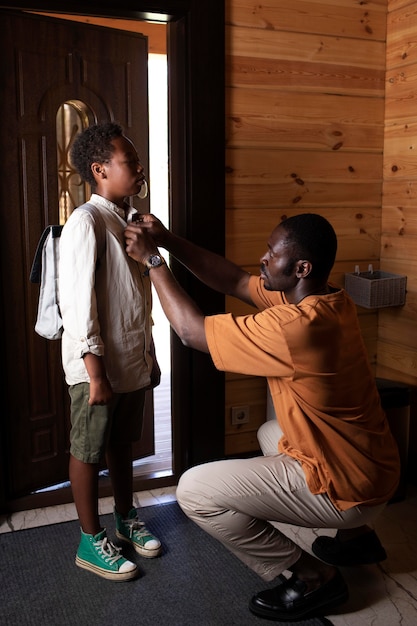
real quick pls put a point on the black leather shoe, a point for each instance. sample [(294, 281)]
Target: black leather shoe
[(363, 550), (291, 601)]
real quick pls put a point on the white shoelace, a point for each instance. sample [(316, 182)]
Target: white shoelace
[(137, 526), (108, 550)]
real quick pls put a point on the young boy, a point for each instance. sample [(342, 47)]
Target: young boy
[(107, 348)]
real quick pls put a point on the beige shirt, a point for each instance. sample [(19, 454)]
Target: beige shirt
[(322, 387), (105, 305)]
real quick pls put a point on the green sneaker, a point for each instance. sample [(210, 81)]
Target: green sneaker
[(97, 554), (134, 531)]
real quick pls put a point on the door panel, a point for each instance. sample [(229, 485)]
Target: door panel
[(46, 62)]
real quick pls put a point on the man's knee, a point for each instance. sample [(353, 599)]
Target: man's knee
[(268, 435), (187, 489), (199, 488), (182, 489)]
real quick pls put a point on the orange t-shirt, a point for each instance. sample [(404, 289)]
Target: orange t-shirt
[(322, 387)]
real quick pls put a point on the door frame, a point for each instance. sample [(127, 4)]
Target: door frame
[(196, 77)]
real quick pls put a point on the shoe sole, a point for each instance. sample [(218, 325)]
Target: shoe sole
[(117, 576), (148, 554)]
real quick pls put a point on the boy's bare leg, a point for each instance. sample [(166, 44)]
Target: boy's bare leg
[(84, 485), (119, 463)]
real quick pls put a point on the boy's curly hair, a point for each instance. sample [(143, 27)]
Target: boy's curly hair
[(93, 145)]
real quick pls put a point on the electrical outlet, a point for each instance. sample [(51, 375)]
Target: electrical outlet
[(240, 415)]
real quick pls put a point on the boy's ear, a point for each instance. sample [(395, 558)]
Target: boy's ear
[(98, 171)]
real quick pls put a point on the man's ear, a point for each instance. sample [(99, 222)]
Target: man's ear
[(303, 269)]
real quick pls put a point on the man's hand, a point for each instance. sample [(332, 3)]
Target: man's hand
[(154, 228), (139, 244), (211, 268), (182, 312)]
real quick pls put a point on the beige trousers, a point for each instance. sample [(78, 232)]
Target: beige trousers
[(235, 501)]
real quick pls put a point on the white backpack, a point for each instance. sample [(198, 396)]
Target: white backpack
[(45, 272)]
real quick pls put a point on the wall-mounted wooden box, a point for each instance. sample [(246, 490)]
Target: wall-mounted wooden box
[(375, 289)]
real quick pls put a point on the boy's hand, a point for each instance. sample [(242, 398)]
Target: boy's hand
[(100, 391), (100, 388)]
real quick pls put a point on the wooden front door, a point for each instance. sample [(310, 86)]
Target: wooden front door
[(44, 64)]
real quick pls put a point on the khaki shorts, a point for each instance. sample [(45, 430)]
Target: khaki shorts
[(93, 426)]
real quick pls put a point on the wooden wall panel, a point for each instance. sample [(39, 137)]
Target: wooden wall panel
[(401, 194), (305, 84), (244, 391), (316, 194), (241, 444), (394, 333), (401, 28), (344, 80), (401, 95), (267, 177), (392, 374), (394, 5), (259, 118), (268, 165), (344, 19), (358, 242), (398, 247), (302, 47), (400, 160), (397, 343), (397, 357), (399, 219)]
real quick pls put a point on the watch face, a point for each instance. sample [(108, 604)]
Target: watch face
[(155, 260)]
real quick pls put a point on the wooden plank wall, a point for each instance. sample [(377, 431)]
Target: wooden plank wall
[(397, 336), (305, 118)]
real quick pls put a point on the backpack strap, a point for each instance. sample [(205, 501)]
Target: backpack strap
[(99, 227), (36, 270), (55, 231)]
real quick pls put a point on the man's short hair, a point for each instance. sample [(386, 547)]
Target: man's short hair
[(313, 238), (93, 145)]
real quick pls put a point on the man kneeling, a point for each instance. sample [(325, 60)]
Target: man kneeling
[(332, 461)]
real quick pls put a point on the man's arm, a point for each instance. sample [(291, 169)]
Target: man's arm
[(182, 312), (212, 269)]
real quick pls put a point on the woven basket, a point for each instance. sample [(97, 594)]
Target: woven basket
[(375, 289)]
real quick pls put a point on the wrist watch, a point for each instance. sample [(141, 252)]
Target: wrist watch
[(155, 260)]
